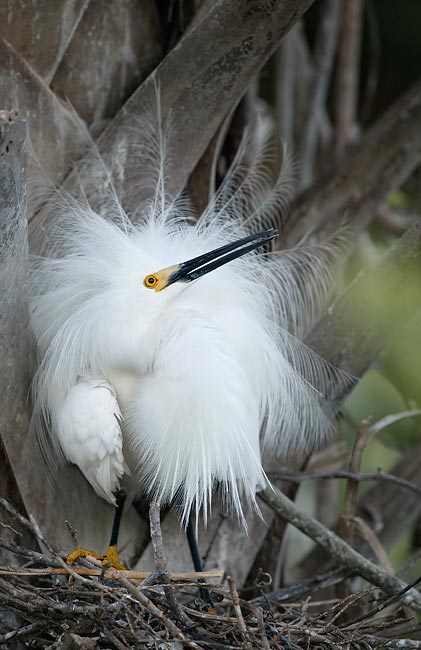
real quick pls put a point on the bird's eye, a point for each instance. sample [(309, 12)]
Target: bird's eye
[(150, 281)]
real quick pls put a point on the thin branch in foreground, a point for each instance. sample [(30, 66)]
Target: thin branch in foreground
[(381, 606), (30, 524), (304, 587), (112, 573), (339, 550), (346, 518), (153, 609), (162, 565), (299, 477), (238, 613)]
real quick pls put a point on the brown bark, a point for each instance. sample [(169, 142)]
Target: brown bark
[(200, 81), (361, 183)]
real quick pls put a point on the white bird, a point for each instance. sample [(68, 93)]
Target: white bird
[(167, 366)]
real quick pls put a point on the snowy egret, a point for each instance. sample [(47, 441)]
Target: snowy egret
[(168, 357)]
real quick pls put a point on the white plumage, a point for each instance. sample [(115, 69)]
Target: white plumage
[(179, 390), (88, 428)]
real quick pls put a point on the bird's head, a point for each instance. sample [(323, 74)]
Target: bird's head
[(198, 266)]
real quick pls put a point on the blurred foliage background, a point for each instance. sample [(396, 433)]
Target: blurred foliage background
[(393, 383)]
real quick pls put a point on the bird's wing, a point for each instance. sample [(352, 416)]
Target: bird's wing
[(88, 428)]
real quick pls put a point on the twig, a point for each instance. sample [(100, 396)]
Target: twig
[(325, 48), (27, 553), (40, 536), (394, 644), (369, 536), (117, 643), (111, 573), (385, 603), (388, 420), (261, 624), (304, 587), (347, 73), (23, 631), (299, 477), (388, 510), (13, 530), (15, 514), (238, 613), (37, 603), (161, 564), (153, 609), (284, 99), (30, 524), (343, 605), (346, 518), (338, 549), (395, 222)]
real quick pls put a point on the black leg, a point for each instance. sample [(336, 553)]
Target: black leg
[(197, 562), (111, 558), (120, 497)]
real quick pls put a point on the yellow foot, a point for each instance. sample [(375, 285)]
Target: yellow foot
[(109, 560), (81, 552)]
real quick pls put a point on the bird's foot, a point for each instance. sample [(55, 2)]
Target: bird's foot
[(82, 552), (109, 561)]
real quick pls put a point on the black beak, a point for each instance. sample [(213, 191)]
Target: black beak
[(198, 266)]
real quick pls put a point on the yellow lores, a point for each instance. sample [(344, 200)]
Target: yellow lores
[(160, 279)]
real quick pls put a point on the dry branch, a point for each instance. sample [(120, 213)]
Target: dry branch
[(304, 588), (339, 550), (348, 72), (212, 574), (162, 565), (239, 613), (324, 55), (155, 611), (364, 180), (299, 477), (284, 101), (387, 510)]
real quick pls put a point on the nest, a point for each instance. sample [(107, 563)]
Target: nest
[(48, 604)]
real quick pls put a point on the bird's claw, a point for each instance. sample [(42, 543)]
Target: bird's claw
[(81, 552), (109, 561)]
